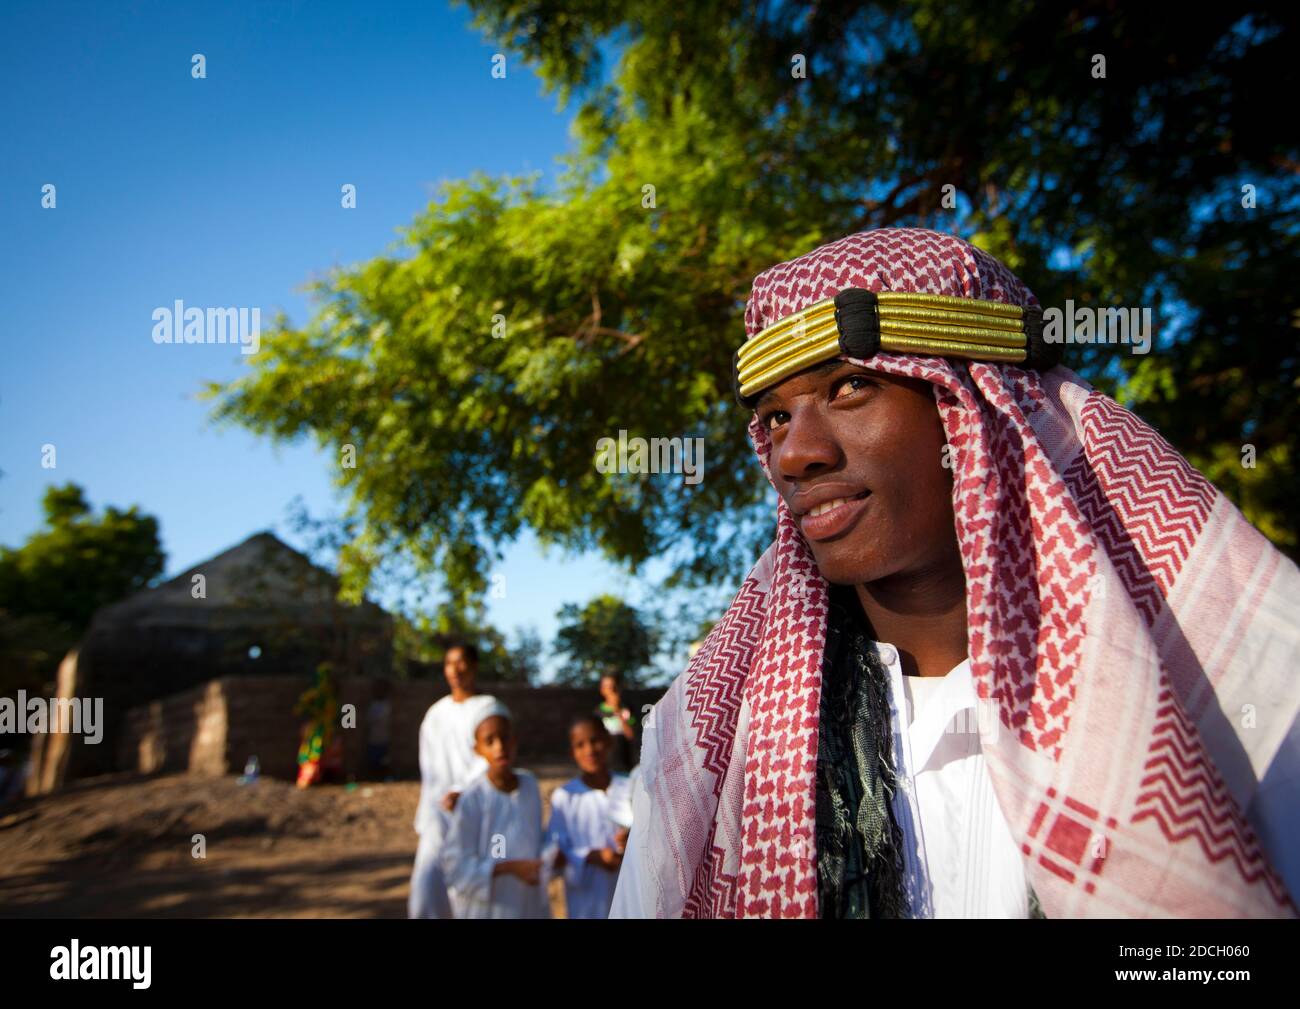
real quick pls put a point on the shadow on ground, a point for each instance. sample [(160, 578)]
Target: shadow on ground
[(178, 846)]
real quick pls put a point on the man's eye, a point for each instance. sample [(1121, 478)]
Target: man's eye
[(853, 383), (774, 419)]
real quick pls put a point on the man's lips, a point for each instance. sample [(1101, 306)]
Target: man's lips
[(831, 516), (823, 492)]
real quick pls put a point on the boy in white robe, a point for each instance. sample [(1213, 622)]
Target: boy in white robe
[(447, 764), (583, 822), (492, 857)]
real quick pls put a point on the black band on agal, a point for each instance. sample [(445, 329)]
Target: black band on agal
[(858, 321), (1039, 354)]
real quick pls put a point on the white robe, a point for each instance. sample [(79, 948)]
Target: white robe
[(490, 826), (448, 763), (581, 823)]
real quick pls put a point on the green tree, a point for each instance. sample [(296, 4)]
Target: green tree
[(52, 585), (79, 561), (525, 655), (421, 640), (422, 626), (605, 636), (476, 367)]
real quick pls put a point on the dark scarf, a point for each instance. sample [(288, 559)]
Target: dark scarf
[(859, 843), (860, 867)]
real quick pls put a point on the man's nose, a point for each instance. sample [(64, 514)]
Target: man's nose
[(808, 446)]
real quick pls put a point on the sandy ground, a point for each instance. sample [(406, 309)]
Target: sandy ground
[(120, 846)]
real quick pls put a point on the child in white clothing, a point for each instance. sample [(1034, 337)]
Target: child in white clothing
[(583, 823), (492, 858)]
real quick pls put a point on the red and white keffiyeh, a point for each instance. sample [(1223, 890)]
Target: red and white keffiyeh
[(1132, 640)]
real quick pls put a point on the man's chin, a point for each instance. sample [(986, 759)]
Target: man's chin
[(846, 567)]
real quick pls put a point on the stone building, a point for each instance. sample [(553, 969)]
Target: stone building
[(259, 609)]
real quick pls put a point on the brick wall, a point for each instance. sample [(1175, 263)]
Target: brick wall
[(131, 666), (214, 728), (186, 731)]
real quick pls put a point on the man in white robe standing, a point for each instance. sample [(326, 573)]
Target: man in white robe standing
[(447, 764)]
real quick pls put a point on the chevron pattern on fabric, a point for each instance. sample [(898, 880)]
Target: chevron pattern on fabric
[(1187, 798), (715, 678), (714, 685), (1145, 503), (713, 892)]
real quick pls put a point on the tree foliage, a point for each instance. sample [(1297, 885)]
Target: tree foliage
[(52, 585), (476, 365), (79, 561), (605, 636)]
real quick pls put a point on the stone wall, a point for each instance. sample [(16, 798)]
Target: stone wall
[(214, 728), (52, 752), (130, 667), (184, 732)]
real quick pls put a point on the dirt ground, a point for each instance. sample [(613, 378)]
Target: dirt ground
[(120, 846)]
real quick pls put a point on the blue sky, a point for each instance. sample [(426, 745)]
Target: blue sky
[(224, 191)]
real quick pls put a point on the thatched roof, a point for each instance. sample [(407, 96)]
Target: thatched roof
[(260, 581)]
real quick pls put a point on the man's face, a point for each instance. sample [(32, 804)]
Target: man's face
[(857, 456), (459, 669)]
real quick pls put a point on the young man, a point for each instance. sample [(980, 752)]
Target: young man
[(448, 762), (969, 536)]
